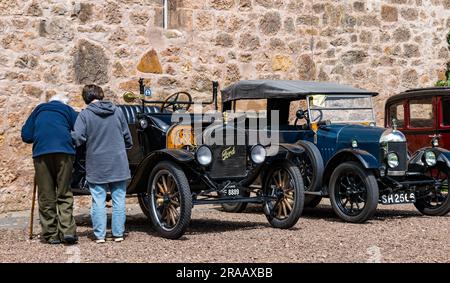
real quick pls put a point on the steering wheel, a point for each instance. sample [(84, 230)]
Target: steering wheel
[(173, 100), (306, 117)]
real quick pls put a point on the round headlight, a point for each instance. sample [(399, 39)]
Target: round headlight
[(258, 154), (143, 123), (430, 158), (392, 160), (203, 155)]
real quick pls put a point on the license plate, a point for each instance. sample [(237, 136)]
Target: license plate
[(232, 192), (397, 198)]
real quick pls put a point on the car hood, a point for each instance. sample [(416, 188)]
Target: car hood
[(344, 133)]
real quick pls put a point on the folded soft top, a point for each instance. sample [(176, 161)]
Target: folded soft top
[(287, 89)]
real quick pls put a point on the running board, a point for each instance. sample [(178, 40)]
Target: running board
[(233, 200), (314, 193)]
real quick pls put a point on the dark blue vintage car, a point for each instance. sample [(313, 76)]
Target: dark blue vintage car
[(347, 157)]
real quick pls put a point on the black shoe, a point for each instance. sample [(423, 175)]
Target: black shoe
[(53, 242), (70, 240)]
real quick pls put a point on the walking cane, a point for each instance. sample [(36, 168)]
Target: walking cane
[(32, 208)]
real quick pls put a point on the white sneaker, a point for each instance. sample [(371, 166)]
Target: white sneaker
[(100, 241), (119, 239)]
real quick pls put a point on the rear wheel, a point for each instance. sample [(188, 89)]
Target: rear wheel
[(311, 166), (353, 192), (284, 183), (236, 207), (170, 200), (435, 202)]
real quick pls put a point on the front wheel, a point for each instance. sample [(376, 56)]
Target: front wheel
[(435, 201), (353, 192), (170, 200), (283, 182)]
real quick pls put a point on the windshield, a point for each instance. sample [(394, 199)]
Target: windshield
[(341, 108)]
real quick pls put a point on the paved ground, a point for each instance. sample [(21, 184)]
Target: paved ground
[(396, 234)]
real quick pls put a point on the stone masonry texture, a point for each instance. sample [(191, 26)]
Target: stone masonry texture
[(55, 46)]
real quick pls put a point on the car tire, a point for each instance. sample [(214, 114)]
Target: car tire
[(236, 207), (311, 167), (312, 201), (144, 204), (168, 189), (424, 204), (354, 183), (289, 197)]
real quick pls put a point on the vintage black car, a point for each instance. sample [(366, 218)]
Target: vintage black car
[(174, 168), (347, 158)]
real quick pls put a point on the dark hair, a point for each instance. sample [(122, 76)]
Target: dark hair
[(92, 92)]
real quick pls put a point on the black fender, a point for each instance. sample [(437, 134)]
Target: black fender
[(366, 159), (139, 180), (285, 151), (416, 162)]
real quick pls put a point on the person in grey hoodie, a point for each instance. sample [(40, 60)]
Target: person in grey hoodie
[(103, 128)]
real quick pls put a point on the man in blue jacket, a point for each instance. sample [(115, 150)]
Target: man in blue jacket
[(48, 129)]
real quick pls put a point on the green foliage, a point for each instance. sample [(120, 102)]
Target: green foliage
[(446, 82), (443, 83)]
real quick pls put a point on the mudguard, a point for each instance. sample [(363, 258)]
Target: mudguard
[(365, 158), (139, 179), (417, 163), (286, 151)]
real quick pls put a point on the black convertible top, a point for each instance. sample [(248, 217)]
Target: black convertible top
[(262, 89)]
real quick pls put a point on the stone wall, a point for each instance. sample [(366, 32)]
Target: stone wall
[(55, 46)]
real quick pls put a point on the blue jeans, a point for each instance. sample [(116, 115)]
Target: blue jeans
[(98, 208)]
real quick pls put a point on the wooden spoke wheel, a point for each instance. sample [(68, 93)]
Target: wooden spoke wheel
[(170, 200), (285, 185)]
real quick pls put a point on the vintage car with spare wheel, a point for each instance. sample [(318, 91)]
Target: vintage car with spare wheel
[(346, 156)]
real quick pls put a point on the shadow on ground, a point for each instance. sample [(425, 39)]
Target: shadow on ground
[(325, 212), (140, 223)]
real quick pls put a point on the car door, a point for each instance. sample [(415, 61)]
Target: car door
[(444, 122), (420, 122)]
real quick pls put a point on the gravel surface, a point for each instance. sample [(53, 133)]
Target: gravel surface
[(396, 234)]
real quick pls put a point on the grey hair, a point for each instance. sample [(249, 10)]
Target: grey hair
[(60, 97)]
